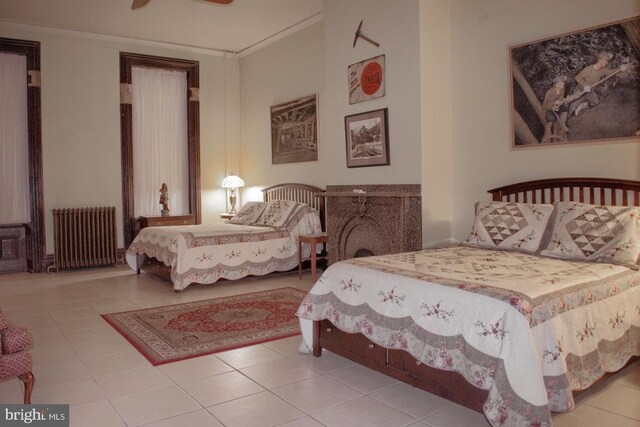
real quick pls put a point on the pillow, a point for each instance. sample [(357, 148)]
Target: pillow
[(249, 214), (596, 233), (279, 212), (510, 226)]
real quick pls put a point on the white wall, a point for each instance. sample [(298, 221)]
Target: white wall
[(481, 32), (315, 60), (437, 150), (81, 120), (288, 69)]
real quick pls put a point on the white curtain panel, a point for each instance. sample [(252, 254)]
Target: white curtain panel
[(160, 147), (14, 143)]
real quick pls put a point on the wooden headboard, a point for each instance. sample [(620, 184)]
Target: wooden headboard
[(302, 193), (601, 191)]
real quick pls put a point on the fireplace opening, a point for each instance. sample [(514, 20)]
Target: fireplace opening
[(363, 252)]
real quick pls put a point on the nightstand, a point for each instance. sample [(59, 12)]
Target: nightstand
[(227, 215), (160, 221), (313, 240)]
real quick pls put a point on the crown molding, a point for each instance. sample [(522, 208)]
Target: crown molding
[(24, 26), (281, 34)]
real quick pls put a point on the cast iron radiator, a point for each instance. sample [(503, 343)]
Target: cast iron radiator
[(85, 237)]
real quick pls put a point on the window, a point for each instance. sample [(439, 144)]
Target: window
[(127, 62)]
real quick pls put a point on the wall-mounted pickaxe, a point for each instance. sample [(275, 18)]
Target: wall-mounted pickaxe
[(362, 36)]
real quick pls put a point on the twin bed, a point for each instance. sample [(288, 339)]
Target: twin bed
[(542, 300), (260, 239)]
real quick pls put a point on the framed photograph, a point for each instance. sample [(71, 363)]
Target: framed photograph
[(367, 138), (366, 79), (294, 131), (577, 87)]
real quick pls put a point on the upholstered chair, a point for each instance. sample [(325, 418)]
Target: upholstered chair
[(15, 360)]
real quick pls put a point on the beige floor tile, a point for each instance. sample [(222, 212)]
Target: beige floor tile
[(154, 405), (629, 376), (78, 313), (100, 414), (260, 410), (113, 305), (80, 323), (72, 393), (362, 412), (327, 362), (95, 333), (44, 356), (11, 392), (615, 398), (135, 381), (279, 372), (585, 415), (193, 369), (456, 416), (199, 418), (221, 388), (316, 394), (118, 362), (60, 373), (50, 338), (361, 378), (101, 347), (249, 356), (302, 422), (411, 400)]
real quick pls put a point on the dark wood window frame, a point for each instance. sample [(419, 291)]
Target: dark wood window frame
[(127, 61), (35, 231)]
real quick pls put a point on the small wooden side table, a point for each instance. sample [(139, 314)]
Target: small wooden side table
[(227, 215), (313, 240)]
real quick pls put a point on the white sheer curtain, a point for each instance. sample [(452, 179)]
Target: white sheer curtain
[(160, 155), (14, 143)]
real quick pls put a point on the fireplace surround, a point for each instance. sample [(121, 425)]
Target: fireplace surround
[(365, 220)]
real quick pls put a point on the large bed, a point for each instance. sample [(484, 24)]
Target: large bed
[(260, 239), (512, 331)]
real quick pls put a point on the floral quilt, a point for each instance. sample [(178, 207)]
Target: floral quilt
[(206, 253), (527, 328)]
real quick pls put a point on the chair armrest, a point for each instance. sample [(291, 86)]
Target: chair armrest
[(15, 340)]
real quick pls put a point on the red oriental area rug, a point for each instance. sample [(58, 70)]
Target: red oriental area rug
[(181, 331)]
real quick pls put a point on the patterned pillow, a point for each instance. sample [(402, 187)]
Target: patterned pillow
[(279, 212), (596, 233), (249, 214), (510, 226)]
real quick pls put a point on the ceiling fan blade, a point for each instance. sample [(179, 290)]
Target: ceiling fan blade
[(220, 1), (137, 4)]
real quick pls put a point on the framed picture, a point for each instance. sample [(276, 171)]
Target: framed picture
[(294, 131), (577, 87), (367, 139), (366, 79)]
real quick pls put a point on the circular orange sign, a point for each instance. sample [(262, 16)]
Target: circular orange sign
[(371, 78)]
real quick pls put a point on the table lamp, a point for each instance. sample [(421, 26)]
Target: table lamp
[(232, 182)]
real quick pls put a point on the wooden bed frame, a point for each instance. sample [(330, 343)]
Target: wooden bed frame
[(400, 364), (302, 193)]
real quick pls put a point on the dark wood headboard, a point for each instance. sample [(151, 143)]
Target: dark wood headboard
[(603, 191), (302, 193)]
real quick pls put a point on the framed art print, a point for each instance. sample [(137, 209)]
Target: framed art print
[(367, 139), (582, 86), (294, 131)]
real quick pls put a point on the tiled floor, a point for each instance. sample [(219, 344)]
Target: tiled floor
[(79, 359)]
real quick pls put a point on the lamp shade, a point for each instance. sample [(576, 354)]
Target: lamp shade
[(232, 181)]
